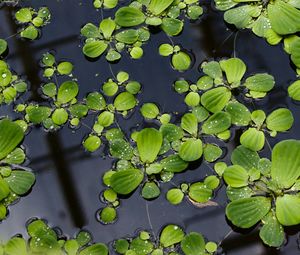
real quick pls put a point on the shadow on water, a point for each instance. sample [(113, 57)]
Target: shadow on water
[(69, 180)]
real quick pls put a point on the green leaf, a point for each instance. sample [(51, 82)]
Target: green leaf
[(94, 49), (239, 193), (192, 99), (149, 110), (284, 18), (92, 143), (272, 232), (280, 120), (37, 114), (90, 31), (20, 182), (141, 247), (260, 82), (224, 5), (287, 210), (240, 115), (181, 61), (193, 244), (247, 212), (60, 116), (49, 89), (189, 123), (106, 118), (129, 17), (286, 163), (234, 69), (23, 15), (158, 6), (11, 134), (171, 132), (78, 110), (30, 32), (253, 139), (125, 101), (212, 69), (65, 68), (149, 142), (191, 150), (129, 36), (17, 156), (95, 249), (175, 196), (16, 246), (294, 90), (217, 123), (150, 191), (171, 235), (4, 189), (126, 181), (3, 46), (236, 176), (216, 99), (174, 164), (166, 49), (67, 92), (121, 149), (108, 215), (194, 11), (200, 193), (212, 152), (172, 26), (244, 157), (107, 26)]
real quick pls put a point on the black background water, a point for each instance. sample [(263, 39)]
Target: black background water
[(69, 180)]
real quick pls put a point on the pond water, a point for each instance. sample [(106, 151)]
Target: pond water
[(68, 184)]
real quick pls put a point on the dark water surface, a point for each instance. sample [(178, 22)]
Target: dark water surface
[(69, 180)]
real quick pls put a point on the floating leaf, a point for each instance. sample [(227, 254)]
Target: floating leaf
[(126, 181), (240, 115), (4, 189), (3, 46), (129, 36), (191, 150), (284, 18), (171, 235), (92, 143), (60, 116), (236, 176), (287, 208), (149, 142), (253, 139), (158, 6), (150, 191), (141, 247), (37, 114), (171, 132), (193, 244), (181, 61), (65, 68), (16, 245), (107, 26), (129, 17), (294, 90), (246, 212), (20, 182), (212, 152), (234, 69), (286, 163), (125, 101), (172, 26), (175, 196), (200, 193), (67, 92), (90, 31), (260, 82), (216, 99), (280, 120), (30, 32), (108, 215), (217, 123), (174, 164), (119, 148), (95, 249), (149, 110), (272, 232), (94, 49), (11, 134), (245, 157), (189, 123), (166, 49), (23, 15)]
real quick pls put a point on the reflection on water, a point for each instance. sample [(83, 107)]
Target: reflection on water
[(69, 180)]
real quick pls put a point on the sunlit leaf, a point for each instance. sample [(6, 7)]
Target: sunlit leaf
[(170, 235)]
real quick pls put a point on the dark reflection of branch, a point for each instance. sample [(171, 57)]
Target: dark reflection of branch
[(65, 179)]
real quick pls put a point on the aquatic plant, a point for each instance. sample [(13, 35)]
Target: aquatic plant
[(264, 191)]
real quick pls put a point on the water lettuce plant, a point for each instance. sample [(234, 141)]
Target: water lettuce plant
[(32, 20), (10, 84), (14, 180), (272, 20), (129, 29), (292, 47), (264, 191), (107, 4), (172, 240), (45, 240)]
